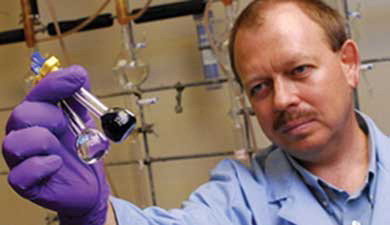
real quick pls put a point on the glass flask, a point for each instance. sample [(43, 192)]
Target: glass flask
[(129, 69)]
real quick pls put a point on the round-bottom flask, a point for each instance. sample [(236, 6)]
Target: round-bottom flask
[(130, 73), (91, 145), (129, 69)]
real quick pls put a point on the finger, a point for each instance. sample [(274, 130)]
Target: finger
[(64, 85), (59, 84), (26, 178), (34, 141), (29, 114)]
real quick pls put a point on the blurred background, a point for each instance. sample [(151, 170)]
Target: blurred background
[(190, 111)]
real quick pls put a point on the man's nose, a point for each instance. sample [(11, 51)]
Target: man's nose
[(285, 95)]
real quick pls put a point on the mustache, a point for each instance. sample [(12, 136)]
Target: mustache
[(284, 117)]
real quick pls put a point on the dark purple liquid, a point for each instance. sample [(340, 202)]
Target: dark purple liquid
[(118, 123)]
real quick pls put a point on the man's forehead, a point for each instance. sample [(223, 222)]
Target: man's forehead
[(288, 18), (285, 27)]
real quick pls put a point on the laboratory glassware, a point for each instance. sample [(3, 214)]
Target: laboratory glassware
[(91, 145), (117, 123), (130, 69), (220, 43)]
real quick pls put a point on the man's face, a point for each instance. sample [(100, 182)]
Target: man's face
[(299, 88)]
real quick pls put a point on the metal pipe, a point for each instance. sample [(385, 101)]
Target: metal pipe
[(187, 157), (152, 160), (3, 173), (146, 90), (34, 8), (347, 18), (170, 10), (122, 163), (147, 155), (121, 11), (184, 85), (375, 60), (162, 88), (101, 21), (349, 35), (28, 24)]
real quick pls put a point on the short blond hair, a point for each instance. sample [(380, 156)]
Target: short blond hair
[(329, 19)]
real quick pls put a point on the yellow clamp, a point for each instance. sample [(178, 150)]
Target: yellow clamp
[(50, 65)]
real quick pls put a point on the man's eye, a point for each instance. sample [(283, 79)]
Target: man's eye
[(300, 70), (258, 89)]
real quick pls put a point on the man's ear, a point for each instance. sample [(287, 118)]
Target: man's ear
[(350, 62)]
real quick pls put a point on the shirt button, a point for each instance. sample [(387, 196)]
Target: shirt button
[(355, 222)]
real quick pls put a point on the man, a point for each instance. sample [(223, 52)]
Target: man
[(328, 164)]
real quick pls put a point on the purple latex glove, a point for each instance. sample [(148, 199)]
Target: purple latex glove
[(39, 150)]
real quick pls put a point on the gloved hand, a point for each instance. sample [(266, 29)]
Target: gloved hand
[(39, 150)]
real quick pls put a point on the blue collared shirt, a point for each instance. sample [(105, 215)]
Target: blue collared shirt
[(342, 207), (272, 193)]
